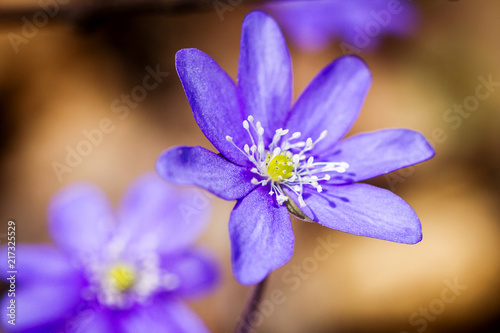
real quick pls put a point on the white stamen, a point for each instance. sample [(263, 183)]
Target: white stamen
[(261, 148), (301, 169)]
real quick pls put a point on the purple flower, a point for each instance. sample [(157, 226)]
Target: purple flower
[(312, 25), (123, 271), (273, 155)]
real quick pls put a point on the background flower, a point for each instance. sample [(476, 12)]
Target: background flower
[(123, 271), (255, 128), (360, 24)]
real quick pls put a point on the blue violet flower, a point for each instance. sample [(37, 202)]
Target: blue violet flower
[(359, 24), (274, 156), (123, 271)]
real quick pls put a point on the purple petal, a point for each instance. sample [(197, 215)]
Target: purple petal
[(261, 236), (57, 327), (162, 316), (91, 320), (197, 272), (310, 26), (360, 23), (80, 219), (153, 210), (200, 167), (359, 27), (215, 102), (377, 153), (264, 72), (42, 304), (331, 102), (39, 263), (363, 210)]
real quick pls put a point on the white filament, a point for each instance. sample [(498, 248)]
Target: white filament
[(305, 169)]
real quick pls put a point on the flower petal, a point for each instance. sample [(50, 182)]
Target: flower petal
[(331, 102), (153, 210), (42, 304), (363, 210), (380, 152), (261, 236), (310, 27), (197, 272), (264, 72), (361, 18), (200, 167), (80, 219), (215, 102), (162, 316), (38, 263), (314, 27), (91, 320)]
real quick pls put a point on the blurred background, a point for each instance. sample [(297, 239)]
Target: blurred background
[(68, 75)]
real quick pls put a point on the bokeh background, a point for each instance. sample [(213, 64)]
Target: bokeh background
[(66, 77)]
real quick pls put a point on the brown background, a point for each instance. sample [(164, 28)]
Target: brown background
[(65, 79)]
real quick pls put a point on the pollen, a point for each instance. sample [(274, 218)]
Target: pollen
[(280, 167), (122, 277), (284, 163)]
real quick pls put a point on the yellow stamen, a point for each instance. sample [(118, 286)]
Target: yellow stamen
[(280, 167), (122, 276)]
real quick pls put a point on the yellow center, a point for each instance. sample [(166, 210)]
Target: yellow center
[(122, 276), (280, 167)]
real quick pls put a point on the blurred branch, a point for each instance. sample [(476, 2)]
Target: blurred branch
[(82, 12)]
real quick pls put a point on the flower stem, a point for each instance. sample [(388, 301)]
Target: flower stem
[(244, 325)]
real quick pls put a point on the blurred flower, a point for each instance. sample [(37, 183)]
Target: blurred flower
[(262, 163), (312, 25), (104, 276)]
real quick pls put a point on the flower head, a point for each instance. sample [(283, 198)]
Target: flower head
[(115, 272), (360, 24), (273, 155)]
